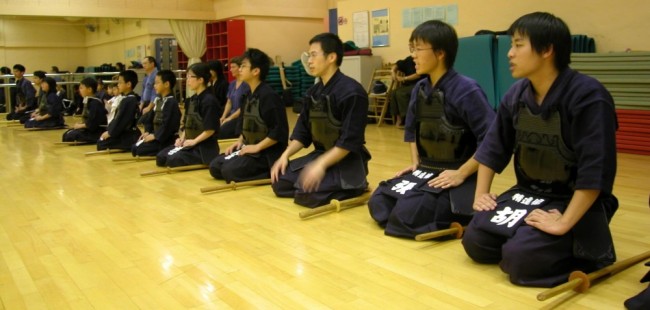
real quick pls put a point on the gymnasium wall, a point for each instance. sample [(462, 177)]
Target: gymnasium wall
[(615, 25)]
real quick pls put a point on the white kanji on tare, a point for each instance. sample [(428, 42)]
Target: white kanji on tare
[(403, 186), (233, 154), (422, 175), (520, 198), (508, 216)]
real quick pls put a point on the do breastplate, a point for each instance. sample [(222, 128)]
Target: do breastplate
[(193, 121), (85, 114), (254, 129), (440, 143), (159, 104), (42, 105), (325, 128), (543, 161)]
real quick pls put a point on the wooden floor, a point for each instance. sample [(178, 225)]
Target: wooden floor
[(82, 232)]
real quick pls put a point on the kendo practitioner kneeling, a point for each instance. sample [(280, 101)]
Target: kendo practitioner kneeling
[(197, 142), (123, 131), (447, 118), (264, 127), (560, 126), (333, 118)]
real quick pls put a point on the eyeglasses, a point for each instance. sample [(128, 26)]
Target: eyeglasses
[(414, 49), (244, 66), (191, 77)]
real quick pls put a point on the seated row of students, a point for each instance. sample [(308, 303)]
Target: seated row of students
[(49, 109), (553, 221), (122, 131), (559, 125), (334, 122)]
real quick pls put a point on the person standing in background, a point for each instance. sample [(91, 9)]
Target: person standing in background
[(403, 71), (150, 67)]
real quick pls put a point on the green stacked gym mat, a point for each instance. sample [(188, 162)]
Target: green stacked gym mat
[(627, 77), (474, 59)]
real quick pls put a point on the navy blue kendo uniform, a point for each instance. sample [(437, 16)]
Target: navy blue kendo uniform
[(94, 117), (25, 95), (333, 115), (564, 144), (123, 129), (447, 122), (264, 115), (220, 91), (201, 114), (164, 124), (48, 104)]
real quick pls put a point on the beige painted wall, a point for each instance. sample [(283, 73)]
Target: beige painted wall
[(615, 25), (168, 9), (41, 44), (287, 37), (279, 27), (114, 37), (271, 8)]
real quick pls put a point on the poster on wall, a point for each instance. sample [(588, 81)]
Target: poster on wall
[(360, 29), (380, 28), (412, 17)]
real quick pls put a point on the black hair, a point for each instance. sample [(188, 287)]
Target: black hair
[(201, 70), (259, 60), (19, 67), (441, 36), (100, 81), (237, 60), (152, 60), (90, 83), (167, 76), (217, 67), (545, 31), (330, 43), (51, 83), (55, 69), (5, 70), (39, 74), (129, 76)]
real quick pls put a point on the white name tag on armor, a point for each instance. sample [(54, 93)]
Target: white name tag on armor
[(408, 184), (233, 154), (512, 216), (512, 208), (174, 150)]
